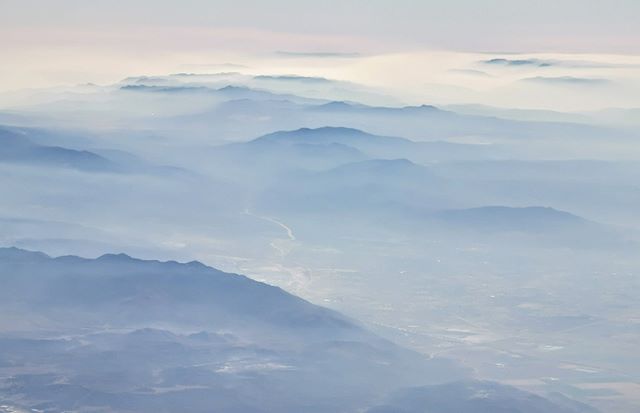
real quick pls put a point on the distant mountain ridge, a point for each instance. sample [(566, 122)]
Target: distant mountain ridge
[(375, 146), (229, 91), (18, 148), (342, 106), (329, 134)]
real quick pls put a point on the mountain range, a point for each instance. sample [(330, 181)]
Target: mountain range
[(117, 333)]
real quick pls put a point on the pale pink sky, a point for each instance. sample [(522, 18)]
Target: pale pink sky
[(373, 25)]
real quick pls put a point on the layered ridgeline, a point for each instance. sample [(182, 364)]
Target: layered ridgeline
[(262, 101), (118, 334), (17, 147), (29, 147), (326, 147)]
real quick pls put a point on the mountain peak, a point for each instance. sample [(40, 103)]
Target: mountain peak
[(343, 106), (330, 129), (324, 135), (121, 257), (233, 88), (19, 253)]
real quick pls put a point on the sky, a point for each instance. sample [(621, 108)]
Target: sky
[(380, 25), (46, 43)]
